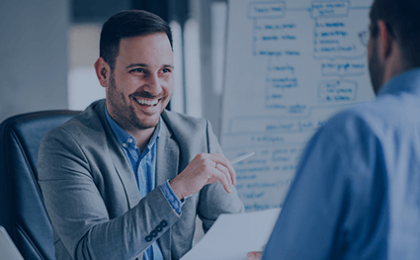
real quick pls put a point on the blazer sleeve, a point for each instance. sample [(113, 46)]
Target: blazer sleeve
[(80, 204), (214, 200)]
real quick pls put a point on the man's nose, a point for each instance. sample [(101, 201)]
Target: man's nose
[(153, 85)]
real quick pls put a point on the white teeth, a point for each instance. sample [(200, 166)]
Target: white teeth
[(147, 102)]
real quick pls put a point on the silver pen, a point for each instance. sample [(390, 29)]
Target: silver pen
[(241, 158)]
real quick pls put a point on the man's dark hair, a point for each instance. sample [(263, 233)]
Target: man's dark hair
[(128, 24), (402, 18)]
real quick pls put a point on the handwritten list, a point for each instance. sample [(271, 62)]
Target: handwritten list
[(290, 66)]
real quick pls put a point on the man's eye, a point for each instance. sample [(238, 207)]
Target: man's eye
[(166, 70), (139, 70)]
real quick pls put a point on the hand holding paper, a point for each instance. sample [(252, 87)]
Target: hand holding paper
[(256, 255)]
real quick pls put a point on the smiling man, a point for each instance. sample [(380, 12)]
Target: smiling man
[(126, 179)]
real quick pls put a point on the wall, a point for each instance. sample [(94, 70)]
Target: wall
[(34, 55)]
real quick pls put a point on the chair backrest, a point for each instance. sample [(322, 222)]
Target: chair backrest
[(22, 210)]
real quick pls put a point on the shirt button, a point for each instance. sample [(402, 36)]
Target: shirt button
[(124, 145), (130, 140)]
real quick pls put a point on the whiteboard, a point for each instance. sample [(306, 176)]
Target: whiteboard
[(290, 65)]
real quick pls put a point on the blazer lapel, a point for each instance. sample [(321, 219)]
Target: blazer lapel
[(167, 164), (167, 159), (126, 175), (122, 167)]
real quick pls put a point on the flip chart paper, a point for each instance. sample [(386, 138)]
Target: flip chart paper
[(290, 66)]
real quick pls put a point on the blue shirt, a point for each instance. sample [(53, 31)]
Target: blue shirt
[(144, 168), (356, 194)]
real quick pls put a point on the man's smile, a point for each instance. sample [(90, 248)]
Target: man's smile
[(147, 102)]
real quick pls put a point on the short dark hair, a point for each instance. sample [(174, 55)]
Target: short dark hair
[(128, 24), (403, 22)]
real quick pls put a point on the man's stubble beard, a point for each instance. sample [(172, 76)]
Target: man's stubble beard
[(127, 117)]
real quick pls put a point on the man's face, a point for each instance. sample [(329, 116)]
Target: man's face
[(142, 82), (376, 68)]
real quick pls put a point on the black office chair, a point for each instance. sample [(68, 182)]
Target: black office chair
[(22, 210)]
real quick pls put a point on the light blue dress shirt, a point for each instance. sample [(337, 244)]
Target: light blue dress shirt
[(144, 168), (356, 194)]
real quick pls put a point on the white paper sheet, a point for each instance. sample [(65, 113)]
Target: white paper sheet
[(232, 236)]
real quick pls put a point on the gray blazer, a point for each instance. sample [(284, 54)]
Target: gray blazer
[(92, 198)]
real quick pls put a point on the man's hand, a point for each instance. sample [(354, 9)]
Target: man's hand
[(254, 255), (205, 168)]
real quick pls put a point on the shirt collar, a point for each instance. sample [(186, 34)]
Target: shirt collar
[(123, 138), (408, 81)]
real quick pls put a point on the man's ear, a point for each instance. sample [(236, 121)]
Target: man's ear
[(103, 71), (386, 41)]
